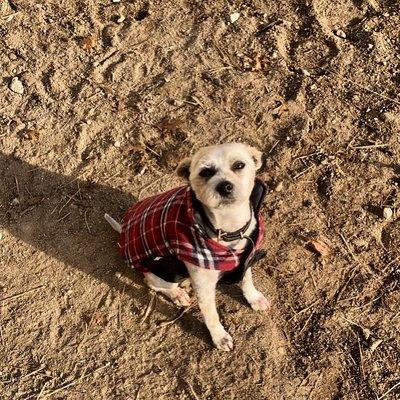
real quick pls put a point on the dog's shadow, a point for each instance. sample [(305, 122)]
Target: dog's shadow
[(62, 216)]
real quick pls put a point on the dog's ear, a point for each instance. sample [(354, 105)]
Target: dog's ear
[(256, 156), (183, 168)]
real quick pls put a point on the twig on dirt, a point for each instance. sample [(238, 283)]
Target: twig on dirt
[(119, 320), (9, 17), (304, 171), (1, 336), (351, 322), (17, 186), (16, 296), (304, 309), (390, 390), (339, 295), (305, 324), (149, 309), (107, 57), (370, 146), (163, 324), (151, 150), (313, 281), (34, 372), (42, 390), (149, 186), (137, 394), (308, 155), (68, 201), (192, 391), (371, 91), (197, 100), (111, 176), (223, 55), (347, 246), (370, 302), (66, 385), (273, 147), (86, 222), (65, 216), (361, 359), (389, 264), (55, 208)]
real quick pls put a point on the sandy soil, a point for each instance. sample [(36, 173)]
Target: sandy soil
[(112, 95)]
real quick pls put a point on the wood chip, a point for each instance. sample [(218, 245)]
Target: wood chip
[(320, 247)]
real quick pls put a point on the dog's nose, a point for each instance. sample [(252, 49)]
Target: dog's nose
[(224, 188)]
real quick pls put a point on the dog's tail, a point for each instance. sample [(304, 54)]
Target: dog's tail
[(114, 224)]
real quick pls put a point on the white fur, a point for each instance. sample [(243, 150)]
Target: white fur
[(226, 215)]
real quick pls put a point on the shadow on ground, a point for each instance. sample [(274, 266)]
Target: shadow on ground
[(62, 216)]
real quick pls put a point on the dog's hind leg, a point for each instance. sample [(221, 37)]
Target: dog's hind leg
[(178, 295)]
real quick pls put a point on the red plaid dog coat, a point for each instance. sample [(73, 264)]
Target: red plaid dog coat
[(164, 225)]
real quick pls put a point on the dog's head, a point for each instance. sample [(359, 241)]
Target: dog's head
[(223, 174)]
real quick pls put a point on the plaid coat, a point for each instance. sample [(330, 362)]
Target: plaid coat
[(164, 225)]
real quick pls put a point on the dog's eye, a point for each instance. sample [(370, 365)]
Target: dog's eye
[(207, 172), (238, 165)]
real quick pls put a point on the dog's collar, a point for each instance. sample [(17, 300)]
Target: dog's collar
[(224, 235), (256, 199)]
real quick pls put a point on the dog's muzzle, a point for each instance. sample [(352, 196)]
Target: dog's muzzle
[(225, 189)]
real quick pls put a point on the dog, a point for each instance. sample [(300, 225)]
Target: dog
[(207, 230)]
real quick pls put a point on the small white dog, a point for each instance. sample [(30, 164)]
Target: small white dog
[(208, 230)]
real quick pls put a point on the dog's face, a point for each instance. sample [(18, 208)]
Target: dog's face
[(222, 175)]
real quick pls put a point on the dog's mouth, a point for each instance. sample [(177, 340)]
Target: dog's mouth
[(226, 201)]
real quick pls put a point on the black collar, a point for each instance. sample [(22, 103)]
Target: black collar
[(224, 235), (256, 200)]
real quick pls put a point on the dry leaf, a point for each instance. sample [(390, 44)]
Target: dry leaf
[(132, 149), (169, 126), (34, 200), (278, 111), (320, 247), (88, 43), (99, 318), (31, 134)]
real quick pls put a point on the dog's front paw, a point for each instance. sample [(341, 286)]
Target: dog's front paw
[(260, 303), (222, 340), (180, 297)]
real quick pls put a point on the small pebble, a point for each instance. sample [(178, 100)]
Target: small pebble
[(117, 144), (305, 72), (234, 17), (387, 213), (370, 46), (16, 86), (279, 187), (118, 274), (116, 1), (121, 19), (274, 55), (340, 33)]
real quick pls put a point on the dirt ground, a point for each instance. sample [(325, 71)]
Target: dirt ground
[(99, 100)]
